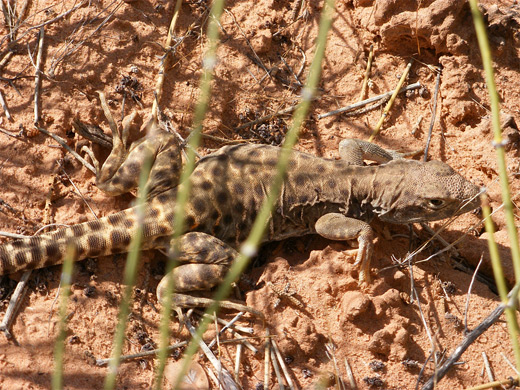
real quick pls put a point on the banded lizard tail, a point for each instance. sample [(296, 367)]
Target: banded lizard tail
[(333, 198)]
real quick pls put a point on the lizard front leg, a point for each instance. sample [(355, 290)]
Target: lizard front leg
[(120, 172), (354, 151), (205, 260), (336, 226)]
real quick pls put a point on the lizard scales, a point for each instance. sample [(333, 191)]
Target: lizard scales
[(334, 198)]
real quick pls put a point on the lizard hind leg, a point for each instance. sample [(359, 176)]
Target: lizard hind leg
[(204, 262)]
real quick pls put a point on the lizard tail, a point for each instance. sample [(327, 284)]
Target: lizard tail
[(105, 236)]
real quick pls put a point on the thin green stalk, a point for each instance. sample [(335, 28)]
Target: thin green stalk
[(208, 64), (502, 168), (59, 345), (250, 246), (512, 324), (132, 262)]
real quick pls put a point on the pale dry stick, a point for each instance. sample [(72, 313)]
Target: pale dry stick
[(227, 326), (277, 370), (14, 303), (8, 19), (124, 358), (6, 110), (243, 340), (391, 101), (509, 383), (417, 124), (68, 148), (12, 235), (415, 295), (267, 355), (282, 364), (368, 108), (350, 376), (331, 348), (37, 78), (21, 14), (238, 358), (296, 10), (214, 378), (369, 100), (165, 61), (6, 58), (466, 309), (367, 73), (225, 377), (489, 372), (511, 365), (240, 328), (434, 113), (267, 117)]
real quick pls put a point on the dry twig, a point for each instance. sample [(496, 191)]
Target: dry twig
[(391, 101), (368, 101), (367, 73), (37, 78)]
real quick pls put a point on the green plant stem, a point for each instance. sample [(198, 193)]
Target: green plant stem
[(209, 63), (502, 168), (249, 248), (132, 262), (59, 345)]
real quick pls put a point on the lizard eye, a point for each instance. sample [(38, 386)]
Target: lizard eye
[(436, 203)]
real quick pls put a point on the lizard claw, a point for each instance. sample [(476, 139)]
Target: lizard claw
[(363, 259)]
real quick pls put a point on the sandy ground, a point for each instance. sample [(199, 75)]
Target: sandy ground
[(385, 335)]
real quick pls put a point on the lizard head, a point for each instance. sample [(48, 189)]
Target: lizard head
[(429, 192)]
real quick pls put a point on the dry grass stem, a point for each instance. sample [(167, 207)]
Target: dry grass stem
[(277, 370), (350, 375), (165, 61), (6, 110), (37, 78), (391, 101), (225, 378), (267, 355), (282, 364), (367, 73), (468, 296), (434, 113)]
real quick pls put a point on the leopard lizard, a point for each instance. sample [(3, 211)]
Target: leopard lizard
[(333, 198)]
